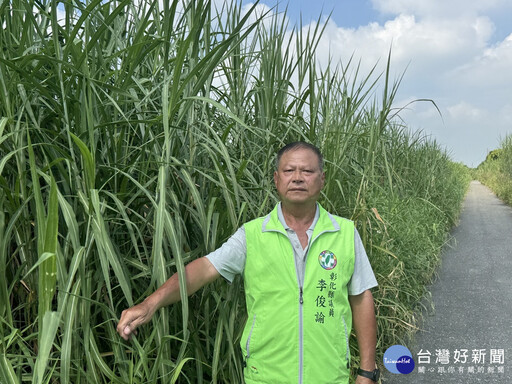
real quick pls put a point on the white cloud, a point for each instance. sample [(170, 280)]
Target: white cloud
[(436, 8), (465, 111), (426, 45), (491, 69)]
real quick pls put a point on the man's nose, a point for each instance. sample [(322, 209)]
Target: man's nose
[(298, 177)]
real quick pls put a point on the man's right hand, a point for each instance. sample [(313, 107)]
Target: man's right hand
[(132, 317)]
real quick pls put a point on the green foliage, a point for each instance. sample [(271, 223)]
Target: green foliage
[(496, 170), (493, 155), (136, 138)]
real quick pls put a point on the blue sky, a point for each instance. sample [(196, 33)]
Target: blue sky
[(348, 13), (455, 52)]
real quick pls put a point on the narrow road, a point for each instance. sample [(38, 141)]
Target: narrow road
[(468, 339)]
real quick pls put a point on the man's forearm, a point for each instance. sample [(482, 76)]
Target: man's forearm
[(365, 327), (198, 273)]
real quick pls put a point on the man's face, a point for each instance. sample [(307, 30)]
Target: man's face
[(299, 178)]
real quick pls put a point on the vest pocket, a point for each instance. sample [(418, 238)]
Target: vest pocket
[(248, 342), (347, 347)]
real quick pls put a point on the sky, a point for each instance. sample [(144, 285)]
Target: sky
[(457, 53)]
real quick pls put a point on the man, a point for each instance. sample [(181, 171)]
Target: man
[(306, 278)]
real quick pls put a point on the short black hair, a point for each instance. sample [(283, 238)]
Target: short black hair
[(300, 145)]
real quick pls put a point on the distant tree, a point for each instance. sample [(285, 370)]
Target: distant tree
[(494, 155)]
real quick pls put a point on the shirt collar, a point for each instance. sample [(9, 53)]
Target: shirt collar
[(280, 216)]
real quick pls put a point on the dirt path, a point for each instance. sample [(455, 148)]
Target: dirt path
[(473, 302)]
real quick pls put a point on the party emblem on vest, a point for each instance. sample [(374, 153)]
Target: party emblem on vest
[(327, 260)]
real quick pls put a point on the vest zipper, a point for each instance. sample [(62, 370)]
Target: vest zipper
[(301, 335), (300, 281)]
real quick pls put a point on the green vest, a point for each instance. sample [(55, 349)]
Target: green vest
[(298, 334)]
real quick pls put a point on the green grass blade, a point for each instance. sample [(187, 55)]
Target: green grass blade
[(107, 251), (46, 339), (89, 163)]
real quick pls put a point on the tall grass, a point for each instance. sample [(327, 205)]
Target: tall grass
[(135, 138), (496, 170)]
